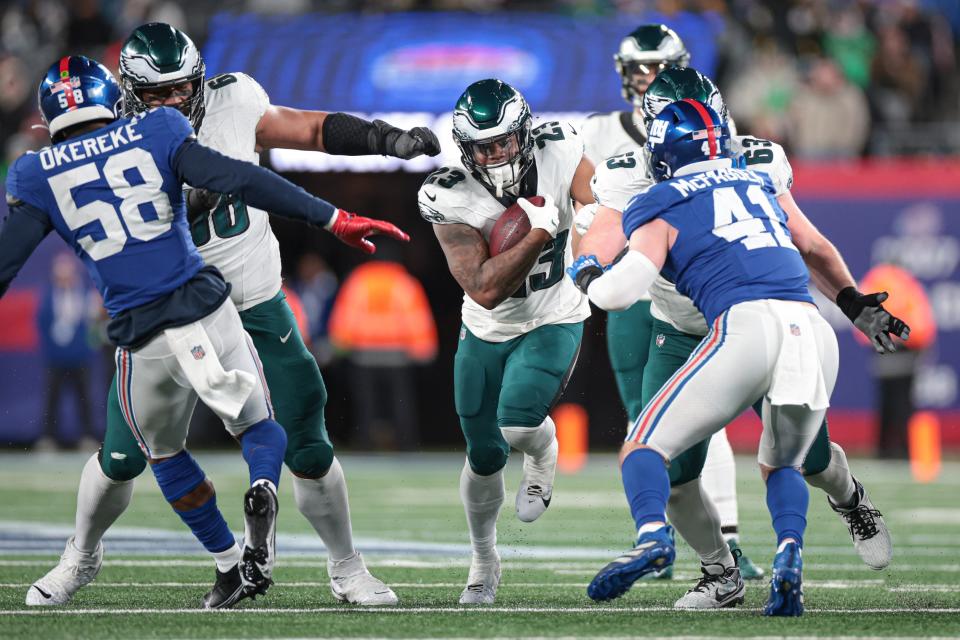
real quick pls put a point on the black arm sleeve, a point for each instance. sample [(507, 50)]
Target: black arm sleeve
[(22, 231), (346, 135), (205, 168)]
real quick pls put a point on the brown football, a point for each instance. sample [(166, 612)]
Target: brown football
[(511, 227)]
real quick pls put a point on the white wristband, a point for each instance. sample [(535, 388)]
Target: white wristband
[(332, 221)]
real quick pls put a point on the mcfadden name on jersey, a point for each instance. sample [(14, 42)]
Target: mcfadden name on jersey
[(451, 195), (235, 237), (621, 177)]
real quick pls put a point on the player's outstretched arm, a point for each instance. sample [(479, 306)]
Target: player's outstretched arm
[(23, 230), (619, 287), (341, 134), (205, 168), (488, 281), (604, 238), (830, 274)]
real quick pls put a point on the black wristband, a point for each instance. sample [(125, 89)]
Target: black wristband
[(587, 275), (846, 300)]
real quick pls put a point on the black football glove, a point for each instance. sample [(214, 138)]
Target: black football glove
[(868, 315), (199, 203), (406, 144)]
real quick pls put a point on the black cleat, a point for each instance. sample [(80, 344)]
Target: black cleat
[(259, 544), (227, 591)]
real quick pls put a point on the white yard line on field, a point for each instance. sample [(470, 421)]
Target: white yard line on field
[(594, 610)]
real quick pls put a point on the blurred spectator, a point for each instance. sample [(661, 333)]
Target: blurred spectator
[(63, 321), (382, 318), (894, 373), (897, 79), (829, 115), (317, 286), (850, 44)]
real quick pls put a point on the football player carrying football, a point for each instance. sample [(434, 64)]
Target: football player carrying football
[(231, 113), (522, 320), (679, 328), (645, 52)]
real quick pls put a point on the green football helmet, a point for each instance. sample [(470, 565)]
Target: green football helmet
[(491, 126), (156, 56), (680, 83), (648, 49)]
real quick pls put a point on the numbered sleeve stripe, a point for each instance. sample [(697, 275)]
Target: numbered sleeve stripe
[(651, 415), (65, 85), (708, 123), (263, 378), (124, 386)]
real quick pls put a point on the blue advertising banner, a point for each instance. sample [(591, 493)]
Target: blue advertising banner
[(421, 62)]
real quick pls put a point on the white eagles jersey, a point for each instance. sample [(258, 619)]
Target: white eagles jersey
[(237, 238), (610, 134), (616, 181), (451, 195)]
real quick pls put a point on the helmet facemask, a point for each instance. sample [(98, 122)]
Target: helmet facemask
[(648, 50), (157, 58), (492, 127), (501, 161)]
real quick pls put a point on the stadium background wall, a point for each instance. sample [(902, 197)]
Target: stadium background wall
[(880, 211)]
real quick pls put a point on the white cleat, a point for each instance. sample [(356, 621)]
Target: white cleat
[(714, 590), (75, 570), (482, 582), (536, 484), (871, 538), (350, 581)]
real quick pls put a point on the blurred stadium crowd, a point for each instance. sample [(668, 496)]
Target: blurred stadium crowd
[(827, 78)]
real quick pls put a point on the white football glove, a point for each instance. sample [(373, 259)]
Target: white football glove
[(546, 217), (584, 218)]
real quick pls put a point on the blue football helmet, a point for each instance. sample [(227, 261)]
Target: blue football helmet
[(75, 90), (685, 132)]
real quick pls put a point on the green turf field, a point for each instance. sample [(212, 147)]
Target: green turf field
[(408, 521)]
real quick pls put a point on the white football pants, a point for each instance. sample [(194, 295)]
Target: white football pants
[(738, 362)]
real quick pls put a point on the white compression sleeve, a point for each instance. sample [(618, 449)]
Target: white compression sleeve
[(624, 283)]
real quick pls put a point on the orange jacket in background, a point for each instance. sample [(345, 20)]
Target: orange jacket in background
[(381, 307), (908, 301)]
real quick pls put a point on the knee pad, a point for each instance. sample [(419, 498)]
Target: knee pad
[(688, 465), (121, 467), (486, 459), (177, 475), (310, 461)]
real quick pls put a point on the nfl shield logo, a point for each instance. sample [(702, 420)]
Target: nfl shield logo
[(660, 340), (463, 332), (794, 329), (198, 352)]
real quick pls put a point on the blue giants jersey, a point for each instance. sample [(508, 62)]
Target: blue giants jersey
[(113, 196), (732, 240)]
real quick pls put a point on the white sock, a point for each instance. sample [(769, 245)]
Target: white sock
[(482, 498), (100, 501), (836, 480), (719, 480), (227, 559), (695, 518), (535, 442), (323, 502)]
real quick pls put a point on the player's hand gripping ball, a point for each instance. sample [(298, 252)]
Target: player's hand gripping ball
[(514, 224)]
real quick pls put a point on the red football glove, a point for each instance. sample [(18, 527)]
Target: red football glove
[(353, 230)]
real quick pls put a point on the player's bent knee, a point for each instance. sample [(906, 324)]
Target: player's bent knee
[(525, 405), (121, 467), (487, 459), (311, 461), (629, 447)]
